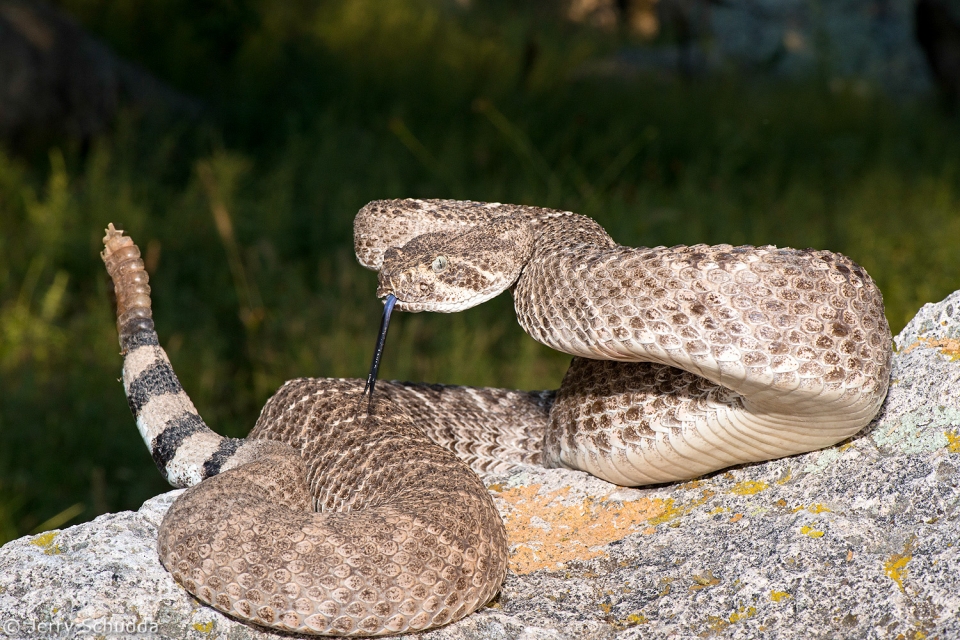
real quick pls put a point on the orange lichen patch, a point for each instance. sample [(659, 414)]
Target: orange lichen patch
[(748, 487), (545, 533), (704, 581), (737, 517), (948, 346), (706, 495), (953, 441), (665, 582)]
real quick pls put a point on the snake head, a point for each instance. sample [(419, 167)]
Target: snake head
[(450, 272)]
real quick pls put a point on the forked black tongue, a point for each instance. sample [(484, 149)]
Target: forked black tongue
[(384, 325)]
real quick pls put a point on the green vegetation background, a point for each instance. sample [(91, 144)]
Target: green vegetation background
[(313, 109)]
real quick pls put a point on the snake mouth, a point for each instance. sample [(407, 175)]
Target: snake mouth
[(419, 289), (417, 307), (413, 303), (416, 304), (410, 296)]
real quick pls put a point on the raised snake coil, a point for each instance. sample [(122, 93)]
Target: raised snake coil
[(723, 354), (711, 356)]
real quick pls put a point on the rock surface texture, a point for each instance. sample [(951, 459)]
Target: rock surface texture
[(861, 540)]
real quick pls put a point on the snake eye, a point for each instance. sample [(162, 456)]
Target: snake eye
[(439, 264)]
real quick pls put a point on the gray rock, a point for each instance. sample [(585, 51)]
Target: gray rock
[(856, 541)]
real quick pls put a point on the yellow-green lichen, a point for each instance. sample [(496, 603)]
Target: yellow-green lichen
[(748, 487), (742, 614), (672, 512), (953, 440), (717, 624), (896, 568), (896, 565), (634, 619), (203, 627), (46, 541)]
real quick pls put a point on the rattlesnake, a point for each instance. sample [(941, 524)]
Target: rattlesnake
[(342, 517), (689, 359)]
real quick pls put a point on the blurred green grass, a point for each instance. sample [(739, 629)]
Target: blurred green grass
[(315, 109)]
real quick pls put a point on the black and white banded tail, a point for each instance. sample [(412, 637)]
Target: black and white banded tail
[(185, 449)]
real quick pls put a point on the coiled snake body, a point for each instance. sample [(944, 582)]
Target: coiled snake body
[(340, 517)]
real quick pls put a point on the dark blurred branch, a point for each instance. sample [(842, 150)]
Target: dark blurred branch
[(937, 28), (56, 79)]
